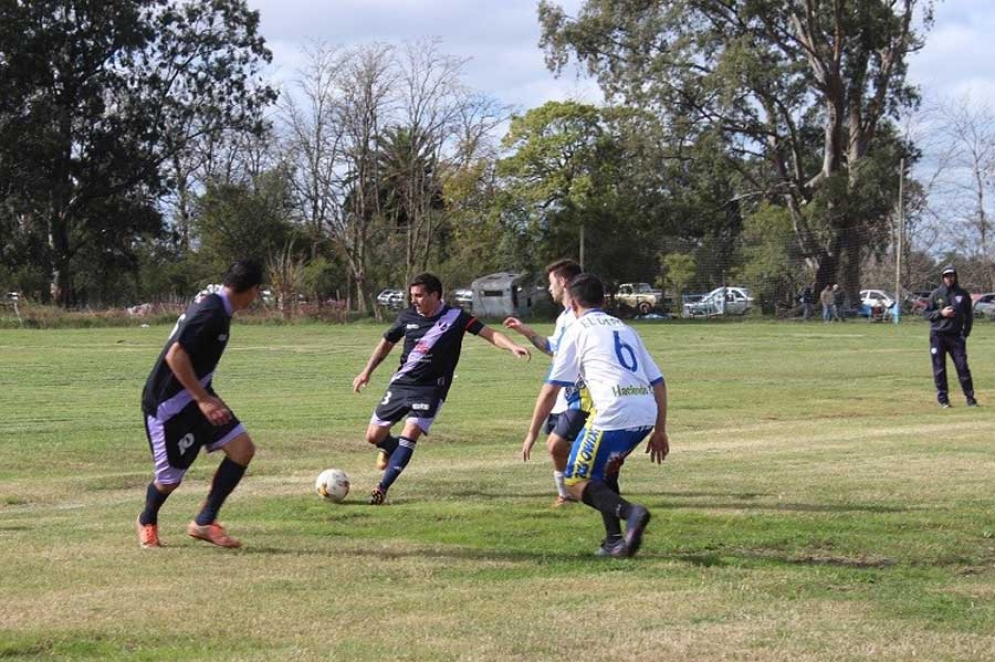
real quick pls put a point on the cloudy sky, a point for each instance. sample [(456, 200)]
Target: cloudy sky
[(500, 37)]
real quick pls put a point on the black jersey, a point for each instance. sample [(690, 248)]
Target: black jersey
[(202, 331), (431, 345)]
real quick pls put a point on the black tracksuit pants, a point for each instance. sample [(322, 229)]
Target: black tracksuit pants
[(939, 345)]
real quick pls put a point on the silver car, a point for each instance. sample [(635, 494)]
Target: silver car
[(984, 306), (391, 298), (720, 301)]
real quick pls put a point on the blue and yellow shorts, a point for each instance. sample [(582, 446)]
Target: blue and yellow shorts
[(599, 453)]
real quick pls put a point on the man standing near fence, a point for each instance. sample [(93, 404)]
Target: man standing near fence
[(951, 315), (826, 299), (839, 303)]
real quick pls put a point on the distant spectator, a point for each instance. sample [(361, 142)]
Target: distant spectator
[(826, 299), (807, 299), (839, 303), (951, 315)]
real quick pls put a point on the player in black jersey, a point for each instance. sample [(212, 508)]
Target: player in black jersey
[(183, 413), (433, 336)]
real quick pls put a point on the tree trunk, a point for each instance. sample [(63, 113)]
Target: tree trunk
[(60, 285)]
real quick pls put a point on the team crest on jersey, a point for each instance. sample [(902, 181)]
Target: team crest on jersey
[(958, 298)]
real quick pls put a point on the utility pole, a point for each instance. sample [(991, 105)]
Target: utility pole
[(899, 240)]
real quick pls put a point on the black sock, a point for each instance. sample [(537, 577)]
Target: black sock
[(153, 502), (613, 525), (225, 479), (398, 461), (600, 497), (388, 445)]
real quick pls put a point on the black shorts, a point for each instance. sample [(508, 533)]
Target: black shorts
[(176, 441), (418, 403), (566, 424)]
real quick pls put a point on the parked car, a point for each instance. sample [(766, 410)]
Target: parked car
[(463, 298), (875, 304), (984, 306), (872, 297), (391, 298), (641, 297), (720, 301)]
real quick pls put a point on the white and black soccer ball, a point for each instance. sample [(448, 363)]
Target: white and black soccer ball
[(332, 485)]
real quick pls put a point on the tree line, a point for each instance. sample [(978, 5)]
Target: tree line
[(142, 148)]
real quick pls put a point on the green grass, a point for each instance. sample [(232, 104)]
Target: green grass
[(817, 505)]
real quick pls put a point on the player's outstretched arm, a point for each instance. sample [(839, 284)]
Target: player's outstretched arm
[(379, 354), (539, 342), (658, 445), (544, 404), (502, 341)]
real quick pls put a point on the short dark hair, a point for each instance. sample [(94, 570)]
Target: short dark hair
[(243, 275), (430, 282), (587, 290), (565, 269)]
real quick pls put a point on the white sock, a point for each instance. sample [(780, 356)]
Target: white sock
[(561, 488)]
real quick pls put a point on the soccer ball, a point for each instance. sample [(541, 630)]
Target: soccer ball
[(332, 485)]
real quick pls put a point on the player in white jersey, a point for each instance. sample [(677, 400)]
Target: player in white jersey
[(572, 405), (629, 403)]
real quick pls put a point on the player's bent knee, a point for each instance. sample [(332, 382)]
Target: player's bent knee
[(376, 433), (576, 490), (557, 446), (166, 488), (241, 450)]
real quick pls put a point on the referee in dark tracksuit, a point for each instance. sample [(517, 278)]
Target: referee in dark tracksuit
[(951, 314)]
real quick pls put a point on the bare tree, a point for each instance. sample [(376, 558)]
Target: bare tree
[(366, 80), (313, 138), (228, 157), (372, 134), (965, 133), (432, 101)]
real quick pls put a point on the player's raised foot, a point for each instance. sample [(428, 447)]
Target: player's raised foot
[(377, 497), (213, 533), (612, 547), (148, 535), (383, 458), (561, 501), (635, 525)]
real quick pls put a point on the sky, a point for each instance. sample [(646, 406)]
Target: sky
[(500, 38)]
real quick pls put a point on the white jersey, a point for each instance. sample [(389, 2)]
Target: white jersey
[(565, 320), (611, 359)]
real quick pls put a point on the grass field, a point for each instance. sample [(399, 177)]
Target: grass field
[(817, 505)]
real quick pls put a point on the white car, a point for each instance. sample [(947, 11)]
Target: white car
[(720, 301), (872, 298), (391, 298), (463, 298)]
